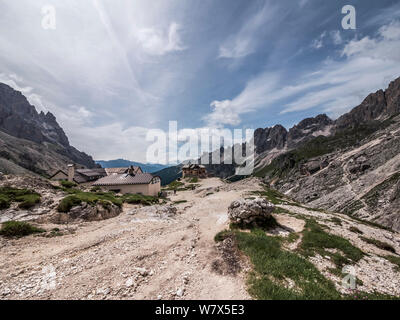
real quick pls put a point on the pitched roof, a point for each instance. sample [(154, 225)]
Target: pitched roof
[(92, 172), (122, 170), (85, 175), (193, 166), (124, 179)]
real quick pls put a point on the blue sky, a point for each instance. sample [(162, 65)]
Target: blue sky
[(111, 70)]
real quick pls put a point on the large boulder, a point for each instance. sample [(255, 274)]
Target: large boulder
[(250, 211), (87, 212)]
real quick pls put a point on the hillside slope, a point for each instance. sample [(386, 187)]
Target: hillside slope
[(354, 169)]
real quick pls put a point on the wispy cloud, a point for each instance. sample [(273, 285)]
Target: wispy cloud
[(154, 42), (245, 41), (338, 85), (318, 43)]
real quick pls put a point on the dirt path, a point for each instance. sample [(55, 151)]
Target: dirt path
[(132, 256)]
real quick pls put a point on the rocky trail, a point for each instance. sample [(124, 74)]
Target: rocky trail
[(168, 251), (137, 255)]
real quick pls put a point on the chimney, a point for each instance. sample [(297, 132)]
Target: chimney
[(131, 171), (71, 172)]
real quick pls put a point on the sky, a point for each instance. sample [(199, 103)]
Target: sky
[(111, 70)]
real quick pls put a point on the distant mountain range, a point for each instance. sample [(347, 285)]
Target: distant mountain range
[(118, 163)]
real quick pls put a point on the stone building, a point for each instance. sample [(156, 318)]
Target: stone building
[(194, 170)]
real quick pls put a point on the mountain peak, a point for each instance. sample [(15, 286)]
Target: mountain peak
[(20, 119)]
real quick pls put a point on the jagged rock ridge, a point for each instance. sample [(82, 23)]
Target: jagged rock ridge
[(20, 121)]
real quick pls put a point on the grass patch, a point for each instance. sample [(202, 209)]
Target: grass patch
[(353, 207), (139, 199), (292, 237), (394, 260), (316, 240), (180, 201), (4, 202), (194, 180), (379, 244), (336, 221), (67, 184), (274, 265), (67, 203), (360, 295), (28, 201), (174, 185), (370, 223), (355, 230), (279, 210), (373, 196), (105, 199), (271, 195), (26, 198), (91, 198), (55, 232), (222, 235), (18, 229)]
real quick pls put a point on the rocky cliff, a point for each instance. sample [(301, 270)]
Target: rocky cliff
[(351, 165), (22, 125)]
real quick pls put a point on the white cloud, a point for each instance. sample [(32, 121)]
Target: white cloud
[(318, 43), (336, 37), (154, 42), (386, 46), (369, 65), (256, 93)]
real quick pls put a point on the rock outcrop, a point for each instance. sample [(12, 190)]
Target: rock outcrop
[(87, 212), (375, 106), (250, 211), (19, 123), (309, 128)]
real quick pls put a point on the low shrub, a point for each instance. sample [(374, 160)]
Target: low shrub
[(28, 201), (355, 230), (4, 202), (68, 202), (180, 201), (18, 229), (67, 184), (379, 244), (139, 199), (27, 198), (394, 260), (95, 189)]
